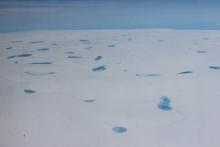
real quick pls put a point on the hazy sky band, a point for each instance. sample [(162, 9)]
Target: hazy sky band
[(115, 14)]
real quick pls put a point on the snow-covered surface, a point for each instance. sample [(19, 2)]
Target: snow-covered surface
[(66, 103)]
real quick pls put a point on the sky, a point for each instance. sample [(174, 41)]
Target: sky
[(165, 1), (18, 15)]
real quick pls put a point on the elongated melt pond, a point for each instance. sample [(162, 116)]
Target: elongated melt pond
[(83, 40), (43, 49), (89, 100), (111, 45), (29, 91), (41, 63), (98, 58), (39, 73), (100, 68), (119, 129), (33, 42), (201, 52), (70, 52), (215, 67), (24, 55), (8, 48), (185, 72), (17, 41), (20, 55), (147, 75), (74, 57)]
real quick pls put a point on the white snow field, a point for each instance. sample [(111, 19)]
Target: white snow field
[(103, 88)]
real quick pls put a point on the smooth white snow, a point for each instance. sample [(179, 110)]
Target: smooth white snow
[(74, 106)]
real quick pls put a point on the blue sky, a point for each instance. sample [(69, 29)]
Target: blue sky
[(165, 1), (17, 15)]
